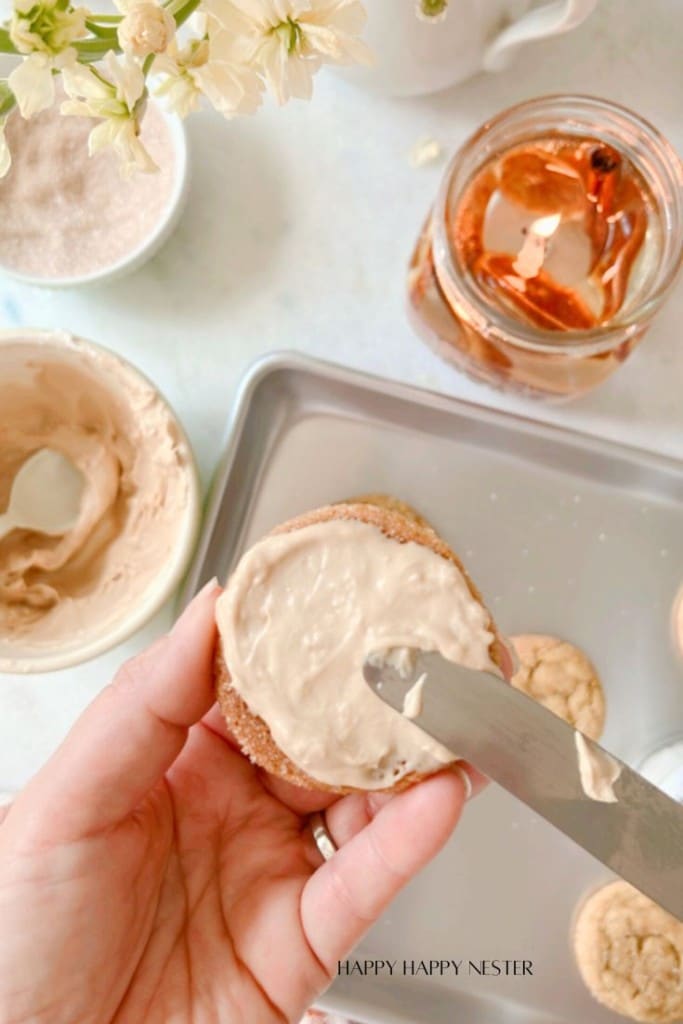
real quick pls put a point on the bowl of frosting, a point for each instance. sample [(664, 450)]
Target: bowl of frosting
[(68, 597), (69, 219)]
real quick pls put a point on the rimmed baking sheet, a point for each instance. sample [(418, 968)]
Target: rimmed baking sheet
[(564, 534)]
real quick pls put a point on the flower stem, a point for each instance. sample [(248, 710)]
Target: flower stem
[(7, 100), (92, 46), (91, 50), (102, 31), (182, 10)]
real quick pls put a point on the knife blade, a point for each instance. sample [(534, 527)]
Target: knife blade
[(532, 753)]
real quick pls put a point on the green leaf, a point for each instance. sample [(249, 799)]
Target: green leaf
[(6, 44)]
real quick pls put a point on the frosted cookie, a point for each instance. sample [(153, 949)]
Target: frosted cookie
[(559, 675), (391, 504), (299, 615), (630, 954)]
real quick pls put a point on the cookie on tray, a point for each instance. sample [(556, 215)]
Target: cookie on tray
[(561, 677), (630, 954)]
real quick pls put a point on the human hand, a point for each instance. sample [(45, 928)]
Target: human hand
[(149, 872)]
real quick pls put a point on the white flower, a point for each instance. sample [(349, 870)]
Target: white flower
[(290, 39), (123, 135), (146, 28), (208, 67), (5, 155), (33, 80), (117, 101), (177, 84), (93, 95), (48, 27), (43, 32)]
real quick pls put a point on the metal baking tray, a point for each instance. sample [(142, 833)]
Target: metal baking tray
[(564, 534)]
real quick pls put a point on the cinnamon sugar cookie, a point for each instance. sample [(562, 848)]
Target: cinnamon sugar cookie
[(391, 504), (630, 954), (560, 676)]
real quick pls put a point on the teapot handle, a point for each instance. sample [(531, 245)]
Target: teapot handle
[(549, 20)]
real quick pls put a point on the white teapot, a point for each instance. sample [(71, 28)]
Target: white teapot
[(423, 46)]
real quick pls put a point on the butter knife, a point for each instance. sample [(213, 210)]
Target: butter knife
[(536, 756)]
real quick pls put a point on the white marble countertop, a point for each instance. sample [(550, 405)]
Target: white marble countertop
[(298, 229)]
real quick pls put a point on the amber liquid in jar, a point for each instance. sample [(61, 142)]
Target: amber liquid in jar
[(560, 233)]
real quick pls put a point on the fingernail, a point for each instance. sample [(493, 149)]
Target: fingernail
[(211, 585), (466, 780), (192, 607)]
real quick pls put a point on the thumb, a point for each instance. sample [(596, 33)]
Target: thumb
[(129, 736), (348, 893)]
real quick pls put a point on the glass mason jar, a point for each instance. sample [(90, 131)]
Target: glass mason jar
[(484, 338), (664, 768)]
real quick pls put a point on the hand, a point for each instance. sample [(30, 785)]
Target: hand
[(149, 872)]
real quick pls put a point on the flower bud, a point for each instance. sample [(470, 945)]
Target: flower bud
[(145, 29)]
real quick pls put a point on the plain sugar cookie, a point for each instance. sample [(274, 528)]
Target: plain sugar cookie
[(560, 676), (630, 954)]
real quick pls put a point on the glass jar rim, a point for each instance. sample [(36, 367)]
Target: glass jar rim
[(582, 342)]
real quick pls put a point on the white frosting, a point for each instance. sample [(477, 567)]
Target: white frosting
[(402, 659), (598, 771), (413, 700), (301, 613)]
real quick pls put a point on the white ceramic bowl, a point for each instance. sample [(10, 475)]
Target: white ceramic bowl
[(18, 348), (151, 244)]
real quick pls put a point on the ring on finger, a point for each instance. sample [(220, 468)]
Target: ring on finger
[(321, 836)]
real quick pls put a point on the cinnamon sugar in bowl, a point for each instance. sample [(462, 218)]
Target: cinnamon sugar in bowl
[(67, 218)]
